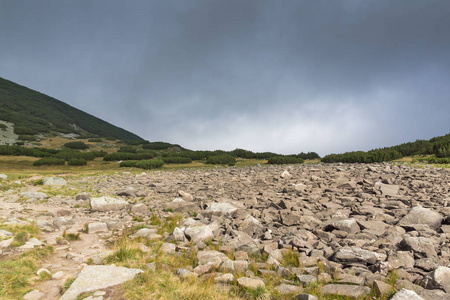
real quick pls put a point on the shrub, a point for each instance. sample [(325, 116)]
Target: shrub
[(223, 159), (176, 160), (158, 146), (72, 154), (49, 161), (3, 126), (77, 162), (76, 145), (95, 140), (24, 130), (127, 156), (281, 160), (150, 164), (28, 138), (127, 149), (128, 164)]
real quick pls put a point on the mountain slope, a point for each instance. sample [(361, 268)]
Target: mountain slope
[(33, 113)]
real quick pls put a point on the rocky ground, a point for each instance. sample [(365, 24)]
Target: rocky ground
[(358, 230)]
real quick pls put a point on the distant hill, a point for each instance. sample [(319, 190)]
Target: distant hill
[(35, 113)]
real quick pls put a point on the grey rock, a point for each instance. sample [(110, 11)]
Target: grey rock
[(108, 204), (347, 225), (54, 181), (183, 273), (422, 247), (252, 283), (140, 208), (199, 233), (356, 255), (204, 257), (34, 295), (93, 278), (222, 208), (345, 290), (97, 227), (388, 189), (306, 297), (401, 259), (286, 289), (438, 279), (306, 279), (405, 294), (421, 215), (34, 195)]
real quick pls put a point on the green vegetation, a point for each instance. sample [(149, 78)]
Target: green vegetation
[(159, 146), (15, 275), (176, 160), (438, 146), (127, 156), (280, 160), (143, 164), (77, 162), (3, 126), (95, 140), (223, 159), (49, 161), (33, 113), (76, 145)]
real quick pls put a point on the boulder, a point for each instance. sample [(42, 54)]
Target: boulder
[(93, 278), (54, 181), (421, 215), (438, 279), (405, 294), (199, 233), (357, 255), (345, 290), (108, 204), (250, 283)]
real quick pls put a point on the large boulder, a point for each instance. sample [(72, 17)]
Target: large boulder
[(54, 181), (405, 294), (421, 215), (199, 233), (108, 204), (357, 255), (438, 279), (422, 247), (93, 278), (351, 291)]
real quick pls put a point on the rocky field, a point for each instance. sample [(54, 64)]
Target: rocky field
[(270, 232)]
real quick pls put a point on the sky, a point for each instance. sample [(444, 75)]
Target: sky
[(280, 76)]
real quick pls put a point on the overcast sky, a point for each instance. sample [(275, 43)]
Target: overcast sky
[(282, 76)]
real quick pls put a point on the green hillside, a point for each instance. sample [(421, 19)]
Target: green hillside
[(33, 113)]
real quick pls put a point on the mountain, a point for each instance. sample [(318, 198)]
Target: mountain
[(35, 113)]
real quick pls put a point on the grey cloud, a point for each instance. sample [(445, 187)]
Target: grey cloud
[(324, 76)]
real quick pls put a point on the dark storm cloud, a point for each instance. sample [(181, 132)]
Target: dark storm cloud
[(289, 76)]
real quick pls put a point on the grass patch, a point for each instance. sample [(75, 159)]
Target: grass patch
[(15, 275), (126, 253), (71, 236), (167, 286), (290, 259)]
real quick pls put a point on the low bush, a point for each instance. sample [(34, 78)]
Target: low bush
[(95, 140), (28, 138), (176, 160), (3, 126), (281, 160), (77, 162), (76, 145), (127, 156), (72, 154), (49, 161), (150, 164), (223, 159), (127, 149)]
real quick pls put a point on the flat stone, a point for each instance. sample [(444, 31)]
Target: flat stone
[(306, 279), (421, 215), (422, 247), (286, 289), (405, 294), (354, 291), (225, 278), (204, 257), (347, 225), (199, 233), (250, 283), (54, 181), (356, 255), (388, 189), (438, 279), (306, 297), (222, 208), (97, 227), (93, 278), (34, 295), (108, 204)]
